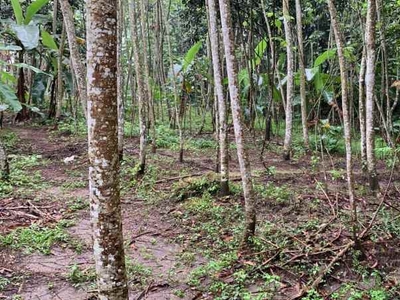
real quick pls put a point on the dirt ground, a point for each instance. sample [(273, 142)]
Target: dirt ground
[(153, 230)]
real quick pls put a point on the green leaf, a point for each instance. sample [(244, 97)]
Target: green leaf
[(4, 47), (190, 56), (259, 51), (17, 11), (33, 9), (6, 76), (34, 69), (28, 35), (48, 40), (328, 54), (7, 96)]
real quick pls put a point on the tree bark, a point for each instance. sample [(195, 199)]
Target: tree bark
[(346, 115), (60, 86), (290, 81), (361, 104), (222, 130), (150, 100), (140, 88), (78, 66), (370, 90), (302, 74), (120, 81), (104, 189), (4, 167), (244, 163)]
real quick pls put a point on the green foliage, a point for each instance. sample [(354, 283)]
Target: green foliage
[(4, 282), (20, 174), (8, 98), (138, 273), (17, 11), (313, 295), (190, 56), (78, 276), (280, 194), (33, 8), (78, 204), (196, 186), (48, 40), (34, 238), (70, 126), (328, 54)]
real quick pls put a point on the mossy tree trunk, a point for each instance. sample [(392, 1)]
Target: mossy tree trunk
[(104, 188), (237, 117)]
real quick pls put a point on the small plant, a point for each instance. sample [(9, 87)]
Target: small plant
[(74, 185), (280, 194), (336, 174), (78, 204), (314, 162), (4, 282), (35, 238), (77, 276), (179, 293), (138, 273)]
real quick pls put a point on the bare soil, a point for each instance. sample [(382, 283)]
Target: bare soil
[(151, 229)]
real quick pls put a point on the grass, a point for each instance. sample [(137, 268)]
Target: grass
[(22, 174), (34, 238), (78, 276)]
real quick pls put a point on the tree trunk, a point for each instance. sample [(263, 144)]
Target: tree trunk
[(4, 168), (290, 81), (104, 189), (120, 81), (244, 163), (78, 66), (361, 104), (60, 87), (150, 100), (223, 128), (370, 93), (302, 74), (140, 88), (346, 115)]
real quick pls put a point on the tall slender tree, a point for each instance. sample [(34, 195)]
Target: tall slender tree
[(104, 189), (346, 111), (146, 77), (140, 87), (302, 72), (120, 80), (77, 64), (290, 81), (222, 118), (370, 93), (244, 163)]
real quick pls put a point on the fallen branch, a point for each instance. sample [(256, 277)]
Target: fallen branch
[(323, 272)]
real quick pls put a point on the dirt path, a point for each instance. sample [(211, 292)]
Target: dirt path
[(154, 267)]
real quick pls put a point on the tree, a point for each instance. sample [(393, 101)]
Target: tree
[(222, 130), (146, 77), (78, 66), (245, 171), (103, 150), (302, 74), (4, 168), (140, 88), (290, 81), (120, 81), (346, 114), (370, 93)]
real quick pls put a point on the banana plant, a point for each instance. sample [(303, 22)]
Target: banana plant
[(24, 28)]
